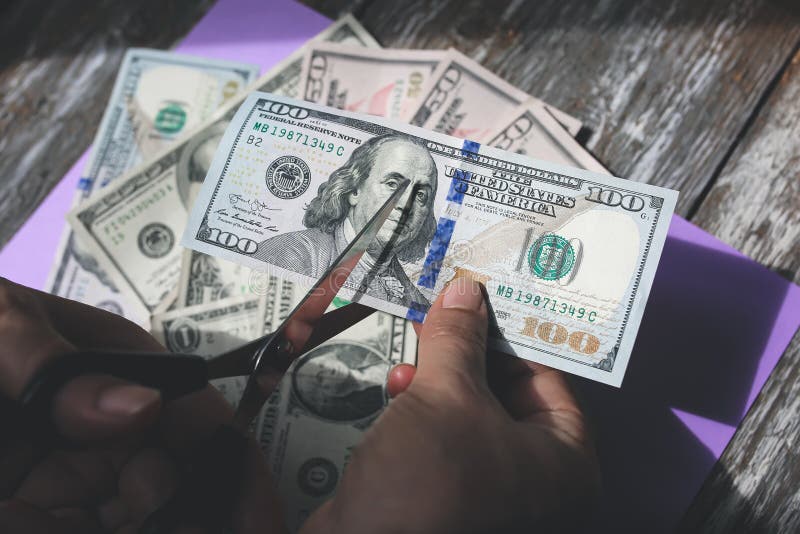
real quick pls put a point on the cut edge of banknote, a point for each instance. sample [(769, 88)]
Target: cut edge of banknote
[(642, 279)]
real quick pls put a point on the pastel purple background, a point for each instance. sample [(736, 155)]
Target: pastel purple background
[(715, 325)]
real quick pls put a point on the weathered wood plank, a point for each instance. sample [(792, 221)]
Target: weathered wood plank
[(58, 61), (665, 86), (755, 206)]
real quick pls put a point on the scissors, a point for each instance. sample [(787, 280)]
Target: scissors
[(212, 476)]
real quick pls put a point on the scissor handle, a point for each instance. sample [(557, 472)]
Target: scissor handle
[(173, 375), (210, 486)]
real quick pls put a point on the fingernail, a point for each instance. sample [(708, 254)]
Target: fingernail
[(127, 399), (463, 293)]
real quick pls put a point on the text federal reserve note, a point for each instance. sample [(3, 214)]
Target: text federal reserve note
[(567, 255), (131, 227), (157, 97)]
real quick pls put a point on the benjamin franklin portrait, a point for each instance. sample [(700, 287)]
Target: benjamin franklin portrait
[(348, 199)]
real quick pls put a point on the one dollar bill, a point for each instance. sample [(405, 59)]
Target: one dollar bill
[(212, 329), (567, 255), (335, 390), (131, 227)]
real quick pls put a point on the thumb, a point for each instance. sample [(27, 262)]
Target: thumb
[(96, 407), (452, 343)]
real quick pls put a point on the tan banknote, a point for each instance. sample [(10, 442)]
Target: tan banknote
[(568, 256), (467, 100), (532, 131), (131, 227), (388, 83)]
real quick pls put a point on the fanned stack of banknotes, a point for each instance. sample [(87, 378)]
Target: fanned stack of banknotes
[(263, 181)]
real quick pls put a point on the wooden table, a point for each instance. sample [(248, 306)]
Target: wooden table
[(700, 96)]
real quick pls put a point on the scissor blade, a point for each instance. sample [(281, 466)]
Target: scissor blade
[(239, 361), (290, 338)]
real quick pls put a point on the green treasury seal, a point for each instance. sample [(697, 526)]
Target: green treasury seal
[(551, 257)]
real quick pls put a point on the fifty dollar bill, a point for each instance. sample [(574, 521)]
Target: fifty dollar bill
[(567, 255), (532, 131), (465, 99), (388, 83)]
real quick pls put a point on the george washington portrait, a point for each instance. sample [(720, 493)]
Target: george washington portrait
[(348, 199)]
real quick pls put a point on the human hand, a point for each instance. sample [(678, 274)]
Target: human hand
[(465, 448), (120, 465)]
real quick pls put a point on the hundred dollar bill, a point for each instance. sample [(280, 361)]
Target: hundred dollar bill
[(336, 390), (533, 132), (212, 329), (567, 255), (157, 96), (131, 227), (466, 100), (387, 83)]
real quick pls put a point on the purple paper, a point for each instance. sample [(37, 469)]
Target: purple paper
[(715, 324)]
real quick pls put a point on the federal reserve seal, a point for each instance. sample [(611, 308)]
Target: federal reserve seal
[(317, 477), (288, 177), (156, 240), (551, 257)]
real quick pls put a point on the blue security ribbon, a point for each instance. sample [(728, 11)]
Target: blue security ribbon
[(85, 184), (444, 233)]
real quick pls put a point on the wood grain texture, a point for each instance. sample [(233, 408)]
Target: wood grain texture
[(754, 486), (755, 206), (58, 61), (665, 87)]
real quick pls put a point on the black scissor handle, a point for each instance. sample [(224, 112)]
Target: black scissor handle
[(210, 487), (174, 375)]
